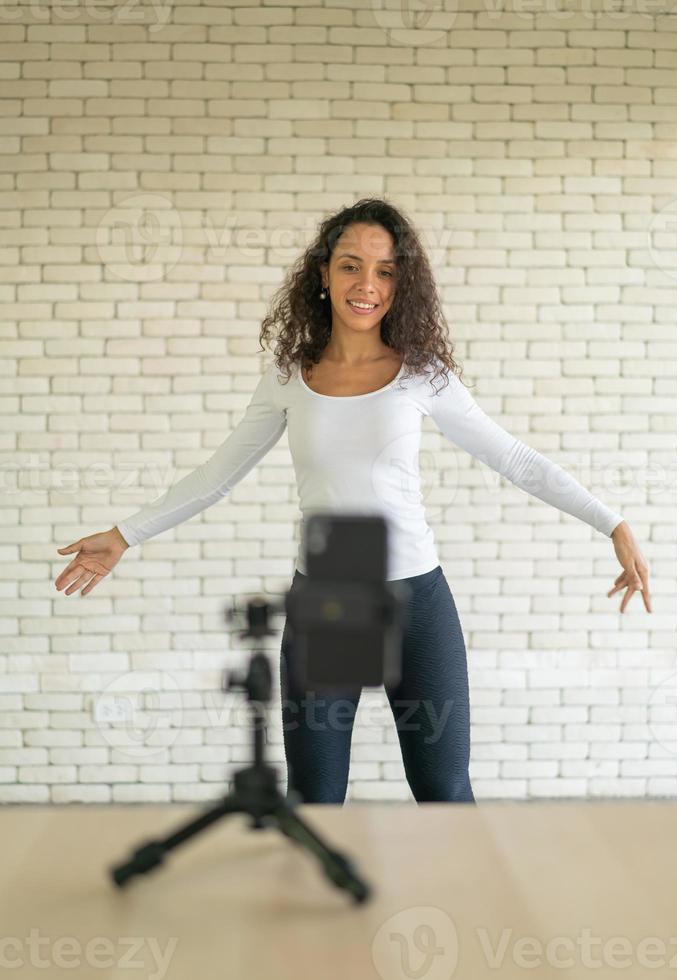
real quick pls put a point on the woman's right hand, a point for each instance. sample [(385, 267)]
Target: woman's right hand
[(97, 555)]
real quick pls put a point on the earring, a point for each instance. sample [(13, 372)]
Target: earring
[(323, 295)]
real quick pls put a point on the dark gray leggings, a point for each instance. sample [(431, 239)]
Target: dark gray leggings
[(430, 706)]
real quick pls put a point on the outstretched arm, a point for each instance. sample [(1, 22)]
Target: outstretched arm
[(261, 427), (464, 423)]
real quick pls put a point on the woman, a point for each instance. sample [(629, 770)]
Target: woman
[(357, 314)]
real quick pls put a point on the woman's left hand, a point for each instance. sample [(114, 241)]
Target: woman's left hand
[(635, 574)]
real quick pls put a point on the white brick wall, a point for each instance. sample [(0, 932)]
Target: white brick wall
[(535, 151)]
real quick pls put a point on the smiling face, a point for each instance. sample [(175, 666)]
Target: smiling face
[(361, 270)]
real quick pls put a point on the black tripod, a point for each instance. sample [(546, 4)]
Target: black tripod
[(255, 790)]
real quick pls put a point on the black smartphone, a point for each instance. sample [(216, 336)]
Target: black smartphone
[(345, 619)]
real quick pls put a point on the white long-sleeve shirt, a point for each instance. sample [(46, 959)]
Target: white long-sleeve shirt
[(359, 453)]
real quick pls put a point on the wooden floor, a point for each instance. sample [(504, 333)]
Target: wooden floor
[(504, 889)]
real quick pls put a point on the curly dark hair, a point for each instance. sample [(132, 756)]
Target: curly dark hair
[(414, 326)]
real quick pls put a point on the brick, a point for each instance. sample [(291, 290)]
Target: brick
[(560, 131)]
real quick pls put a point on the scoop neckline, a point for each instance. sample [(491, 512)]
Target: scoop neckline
[(343, 398)]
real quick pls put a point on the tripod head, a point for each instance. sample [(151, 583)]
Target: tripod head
[(257, 682)]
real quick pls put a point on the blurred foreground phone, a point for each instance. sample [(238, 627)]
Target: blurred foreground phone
[(345, 620)]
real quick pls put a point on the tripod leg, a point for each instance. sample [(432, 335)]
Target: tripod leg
[(336, 865), (151, 854)]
